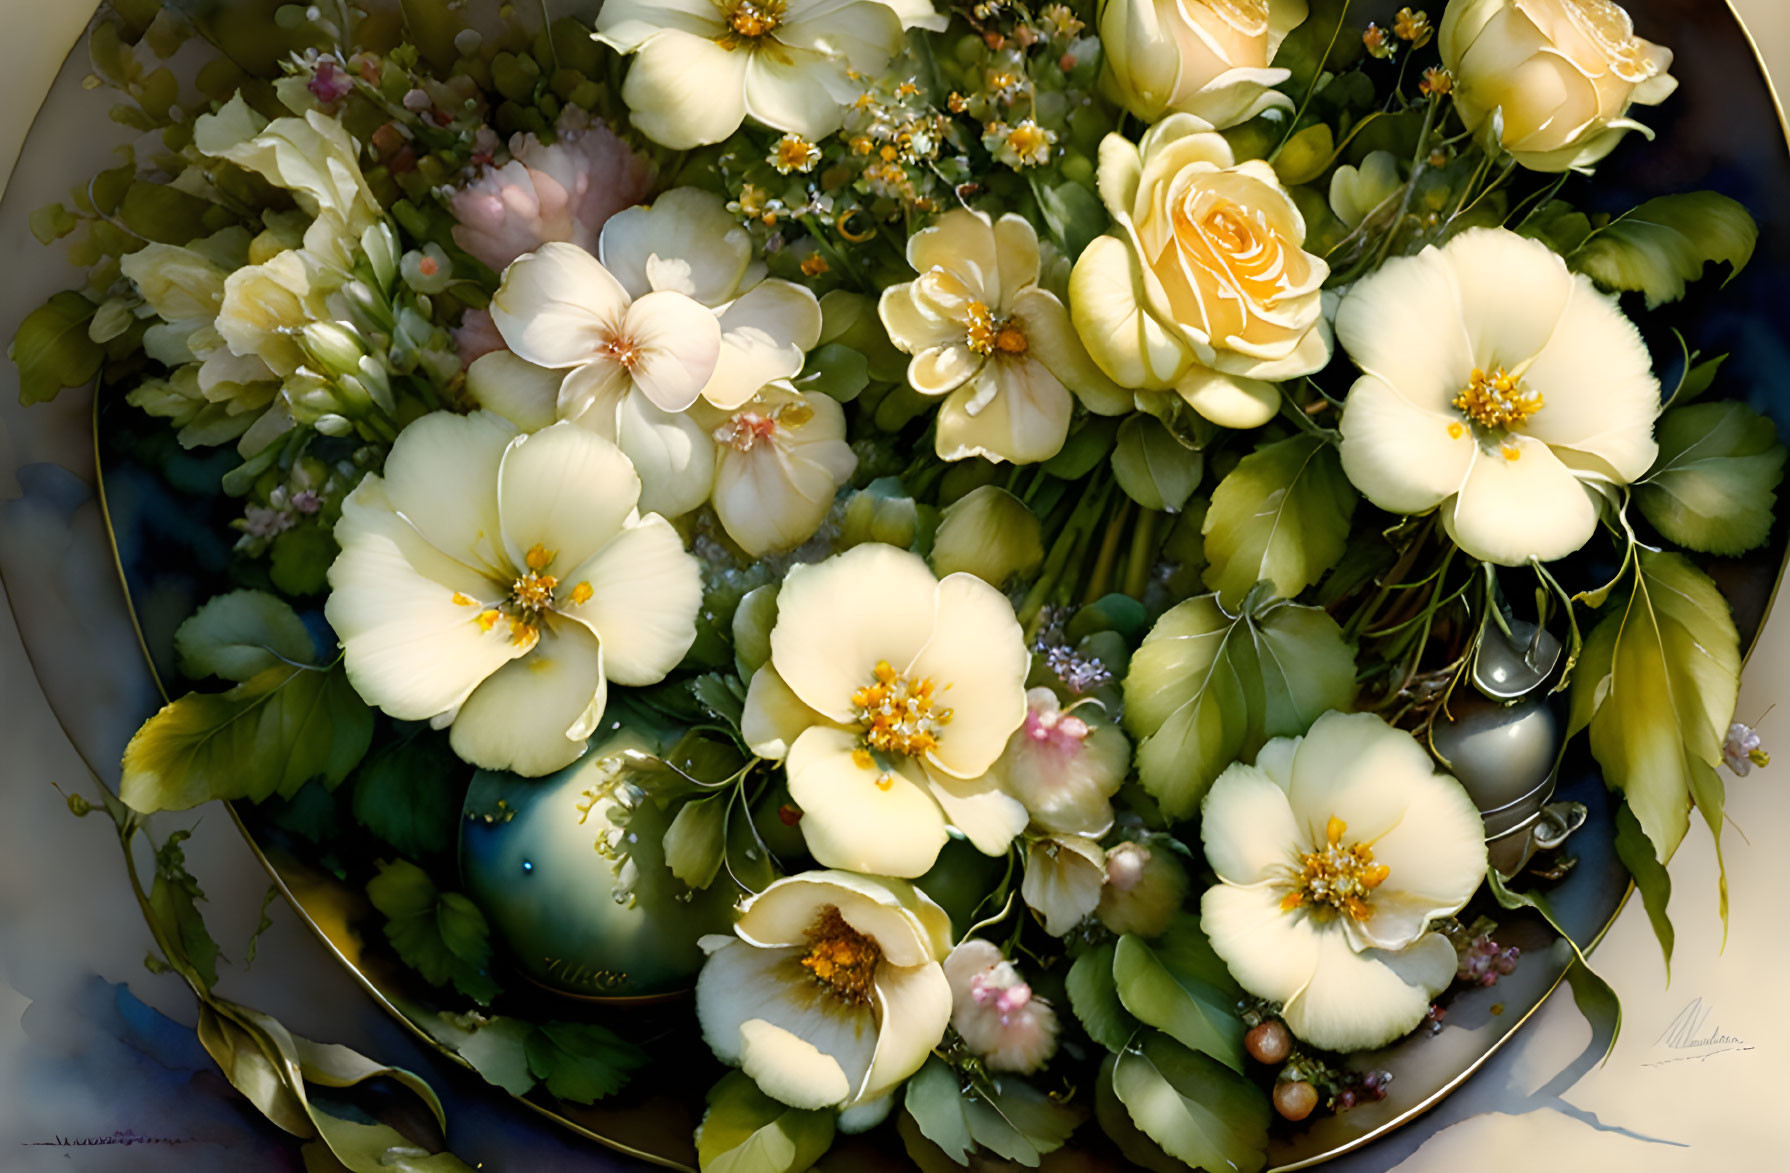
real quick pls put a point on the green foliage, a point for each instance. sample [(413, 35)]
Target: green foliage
[(441, 935), (174, 899), (240, 634), (745, 1131), (1306, 155), (1282, 515), (1715, 482), (1180, 986), (696, 841), (1558, 225), (1650, 876), (52, 349), (300, 560), (1596, 999), (1088, 444), (1207, 688), (1094, 996), (406, 793), (161, 212), (581, 1061), (1192, 1105), (268, 735), (1007, 1117), (1657, 684), (1154, 468), (1664, 244), (52, 222), (1074, 215), (835, 370)]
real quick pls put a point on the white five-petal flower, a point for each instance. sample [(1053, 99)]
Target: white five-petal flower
[(498, 582), (779, 460)]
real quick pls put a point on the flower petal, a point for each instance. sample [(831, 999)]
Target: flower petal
[(671, 111), (1357, 1001), (988, 816), (765, 335), (1512, 510), (1513, 293), (679, 344), (1051, 339), (837, 619), (798, 90), (535, 714), (1597, 385), (1011, 409), (914, 1006), (903, 921), (1230, 401), (961, 242), (645, 591), (976, 655), (566, 490), (441, 477), (515, 389), (862, 819), (1402, 325), (1436, 859), (1354, 767), (558, 305), (1271, 953), (1107, 303), (789, 1068), (1403, 458), (1246, 824), (942, 368), (686, 242), (775, 716)]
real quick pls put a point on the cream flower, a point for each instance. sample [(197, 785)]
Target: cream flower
[(1334, 852), (1065, 764), (312, 157), (499, 583), (1204, 57), (779, 460), (830, 992), (702, 66), (566, 190), (983, 332), (1205, 290), (995, 1011), (888, 695), (1063, 878), (1494, 381), (1552, 80)]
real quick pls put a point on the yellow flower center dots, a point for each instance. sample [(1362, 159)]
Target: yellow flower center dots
[(986, 334), (533, 593), (1342, 877), (539, 557), (754, 18), (793, 153), (899, 715), (842, 960), (581, 594), (1497, 400)]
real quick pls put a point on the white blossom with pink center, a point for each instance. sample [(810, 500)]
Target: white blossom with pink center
[(995, 1011)]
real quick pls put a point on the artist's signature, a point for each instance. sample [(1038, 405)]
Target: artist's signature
[(1697, 1036), (123, 1136)]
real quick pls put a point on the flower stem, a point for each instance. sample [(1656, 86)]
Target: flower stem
[(1142, 558), (1101, 578)]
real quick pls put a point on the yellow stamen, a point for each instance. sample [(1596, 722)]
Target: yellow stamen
[(1339, 876), (862, 759), (1456, 431), (898, 714), (581, 594), (487, 620), (841, 959), (754, 18), (540, 557), (1497, 400), (1333, 830), (883, 783), (985, 333), (461, 600)]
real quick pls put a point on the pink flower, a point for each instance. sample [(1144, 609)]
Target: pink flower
[(996, 1012), (329, 83), (563, 191), (476, 336)]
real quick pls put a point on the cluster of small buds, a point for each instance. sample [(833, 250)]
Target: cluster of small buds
[(1021, 145), (1436, 83), (1482, 962), (1413, 27), (1364, 1088), (1079, 673), (1742, 750), (311, 493)]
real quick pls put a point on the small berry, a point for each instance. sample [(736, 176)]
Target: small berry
[(1294, 1100), (1268, 1042)]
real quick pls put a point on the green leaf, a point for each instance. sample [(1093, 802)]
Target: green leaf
[(696, 841), (1651, 878), (1179, 1004), (581, 1061), (1094, 996), (300, 560), (241, 634), (408, 793), (722, 695), (496, 1046), (1664, 244), (1558, 225), (52, 349), (160, 212), (1074, 215), (1155, 469), (1306, 155), (441, 935), (836, 371), (1596, 999), (174, 898), (745, 1131), (1115, 1121), (1699, 377), (1281, 515), (1206, 689), (1007, 1117), (1657, 684), (270, 734), (1086, 447), (1715, 482), (52, 222), (1195, 1107)]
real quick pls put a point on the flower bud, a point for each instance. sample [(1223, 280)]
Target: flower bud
[(1205, 57), (380, 244), (1064, 874), (334, 425), (1145, 888), (995, 1011), (881, 512), (1065, 765), (989, 533), (334, 346), (427, 270)]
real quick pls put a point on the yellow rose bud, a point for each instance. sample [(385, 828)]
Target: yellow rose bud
[(1184, 211), (1206, 57), (1551, 80)]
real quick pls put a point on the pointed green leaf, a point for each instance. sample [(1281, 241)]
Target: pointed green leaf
[(240, 634), (1651, 878), (1094, 996), (1155, 469), (408, 793), (745, 1131), (52, 349), (1596, 999), (1178, 1004), (441, 935), (1664, 244), (1307, 668), (1715, 482), (1115, 1121), (1192, 1105), (581, 1061), (1007, 1116), (696, 840), (1281, 515)]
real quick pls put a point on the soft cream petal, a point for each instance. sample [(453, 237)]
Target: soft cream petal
[(686, 242), (839, 618), (915, 1008), (645, 590), (594, 392), (976, 655), (987, 816), (1357, 1001), (1510, 511), (866, 820), (671, 111), (887, 911), (1403, 458), (775, 496), (1051, 339), (534, 715), (1011, 409), (674, 455), (679, 344), (1436, 859), (775, 716), (626, 24), (566, 490), (912, 323), (798, 90), (741, 983), (960, 242), (765, 335), (789, 1068), (1513, 292), (1354, 767), (557, 306), (1016, 254), (1063, 878), (441, 476), (1276, 760), (1246, 824), (1229, 401), (1107, 304), (944, 367), (1271, 953), (516, 389), (1597, 384), (1402, 325)]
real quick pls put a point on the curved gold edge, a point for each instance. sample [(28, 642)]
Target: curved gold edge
[(373, 991)]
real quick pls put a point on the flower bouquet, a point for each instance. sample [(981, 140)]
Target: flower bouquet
[(1017, 573)]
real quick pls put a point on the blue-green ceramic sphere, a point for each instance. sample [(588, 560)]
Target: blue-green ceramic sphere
[(570, 871)]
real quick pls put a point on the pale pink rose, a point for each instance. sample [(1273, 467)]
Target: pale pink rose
[(560, 191)]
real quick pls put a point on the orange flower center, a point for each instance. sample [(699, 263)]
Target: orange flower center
[(1497, 400), (985, 333), (1342, 877), (899, 715), (753, 19), (841, 960)]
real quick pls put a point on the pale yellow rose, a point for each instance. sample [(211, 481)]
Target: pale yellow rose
[(1552, 80), (1204, 288), (1206, 57)]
